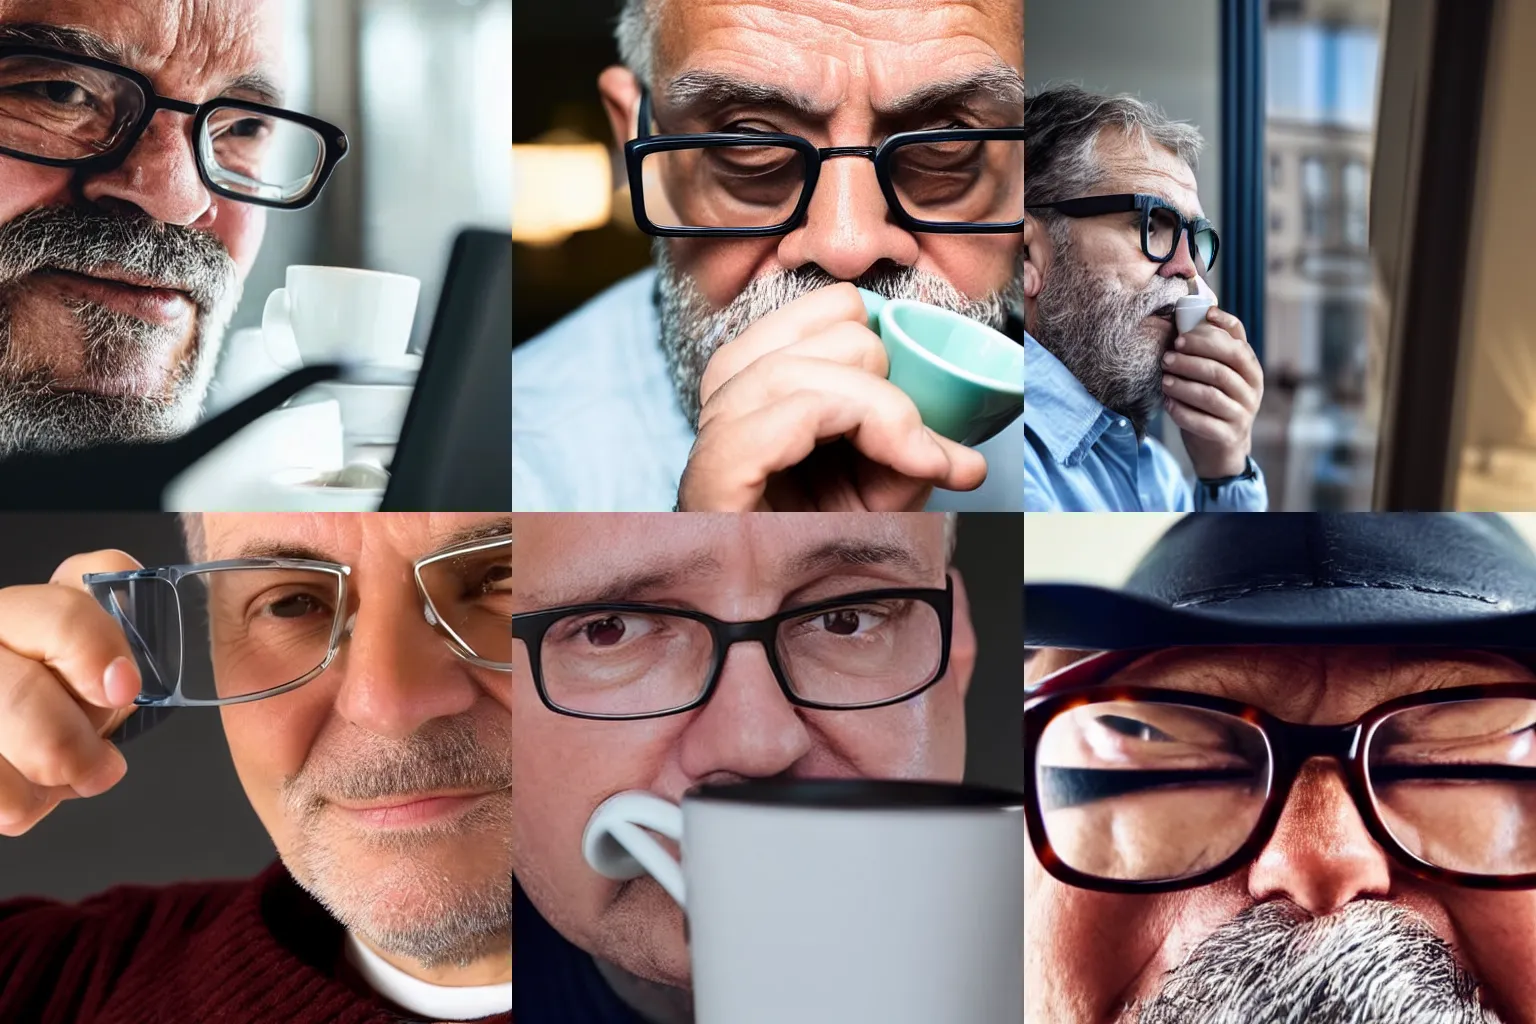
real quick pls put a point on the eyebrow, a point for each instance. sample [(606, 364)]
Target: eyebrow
[(844, 554), (265, 548), (490, 530), (628, 585), (703, 88), (82, 43)]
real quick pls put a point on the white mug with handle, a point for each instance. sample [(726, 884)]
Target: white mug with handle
[(341, 315), (837, 900)]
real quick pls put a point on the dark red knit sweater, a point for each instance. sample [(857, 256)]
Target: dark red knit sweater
[(254, 952)]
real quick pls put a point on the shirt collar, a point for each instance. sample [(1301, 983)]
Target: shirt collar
[(1057, 408)]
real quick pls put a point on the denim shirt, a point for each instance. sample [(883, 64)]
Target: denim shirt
[(1081, 457), (597, 427)]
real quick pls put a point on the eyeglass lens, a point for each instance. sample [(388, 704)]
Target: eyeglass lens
[(264, 627), (471, 597), (759, 186), (618, 662), (59, 110), (1141, 791), (1163, 231), (1455, 783)]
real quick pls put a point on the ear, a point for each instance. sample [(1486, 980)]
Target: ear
[(962, 641), (1038, 252), (620, 92)]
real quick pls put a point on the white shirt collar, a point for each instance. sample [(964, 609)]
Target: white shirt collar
[(440, 1002)]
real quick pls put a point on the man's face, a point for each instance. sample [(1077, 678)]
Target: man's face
[(735, 568), (396, 722), (1321, 909), (84, 358), (847, 66), (1103, 308)]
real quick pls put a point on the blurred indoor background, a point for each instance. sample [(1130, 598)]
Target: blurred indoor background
[(571, 219), (423, 90)]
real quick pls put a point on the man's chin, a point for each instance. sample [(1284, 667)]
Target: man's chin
[(644, 934)]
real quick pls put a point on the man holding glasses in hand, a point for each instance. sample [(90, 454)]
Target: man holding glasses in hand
[(359, 664), (659, 652), (141, 143), (781, 153), (1115, 237), (1297, 782)]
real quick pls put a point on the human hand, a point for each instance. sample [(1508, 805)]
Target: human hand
[(805, 375), (67, 680), (1212, 386)]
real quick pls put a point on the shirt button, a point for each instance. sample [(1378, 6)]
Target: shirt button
[(1122, 424)]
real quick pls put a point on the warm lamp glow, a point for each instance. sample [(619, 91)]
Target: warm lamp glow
[(559, 189)]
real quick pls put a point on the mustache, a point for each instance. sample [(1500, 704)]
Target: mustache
[(1371, 963), (84, 241), (442, 755)]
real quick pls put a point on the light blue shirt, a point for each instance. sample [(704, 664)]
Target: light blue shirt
[(597, 426), (1081, 457)]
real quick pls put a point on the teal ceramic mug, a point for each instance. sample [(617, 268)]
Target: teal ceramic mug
[(966, 379)]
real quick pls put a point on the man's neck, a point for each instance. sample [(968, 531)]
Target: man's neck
[(657, 1003), (494, 968)]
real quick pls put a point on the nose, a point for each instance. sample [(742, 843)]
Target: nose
[(1321, 856), (159, 177), (748, 728), (1183, 264), (397, 673), (848, 227)]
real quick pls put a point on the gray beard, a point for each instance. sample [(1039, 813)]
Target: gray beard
[(450, 920), (36, 413), (1098, 333), (1371, 963), (691, 329)]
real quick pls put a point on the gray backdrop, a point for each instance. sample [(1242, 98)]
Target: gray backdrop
[(989, 556)]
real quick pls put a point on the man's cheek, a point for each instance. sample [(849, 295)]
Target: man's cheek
[(25, 187), (722, 268), (241, 227)]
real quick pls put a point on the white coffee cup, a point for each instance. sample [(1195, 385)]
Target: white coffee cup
[(832, 901), (342, 315), (1189, 311)]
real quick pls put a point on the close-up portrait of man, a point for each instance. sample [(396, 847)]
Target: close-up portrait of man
[(134, 193), (1284, 773), (737, 372), (352, 671), (595, 639)]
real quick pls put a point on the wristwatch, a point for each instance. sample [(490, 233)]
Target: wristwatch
[(1250, 472)]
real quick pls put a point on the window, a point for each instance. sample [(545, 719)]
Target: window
[(1315, 198), (1357, 201)]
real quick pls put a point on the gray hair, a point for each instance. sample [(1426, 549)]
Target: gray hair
[(1062, 126), (636, 35), (1370, 963)]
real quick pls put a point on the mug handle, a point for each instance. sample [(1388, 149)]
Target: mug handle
[(617, 845), (277, 322)]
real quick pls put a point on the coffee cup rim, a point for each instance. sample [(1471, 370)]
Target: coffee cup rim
[(357, 271), (990, 383), (857, 794)]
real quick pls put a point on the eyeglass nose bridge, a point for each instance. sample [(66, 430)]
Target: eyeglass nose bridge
[(729, 634), (1298, 744)]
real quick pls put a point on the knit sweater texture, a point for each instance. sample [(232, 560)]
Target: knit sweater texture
[(260, 951)]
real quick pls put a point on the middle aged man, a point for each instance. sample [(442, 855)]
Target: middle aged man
[(739, 375), (360, 667), (141, 142), (1298, 784), (1115, 236), (603, 952)]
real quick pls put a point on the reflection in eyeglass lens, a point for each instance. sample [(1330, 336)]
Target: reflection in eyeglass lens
[(1140, 791), (471, 595), (1455, 783), (62, 111)]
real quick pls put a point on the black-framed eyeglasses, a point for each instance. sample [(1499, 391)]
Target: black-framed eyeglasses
[(61, 109), (756, 184), (274, 624), (1142, 789), (1162, 225), (626, 661)]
